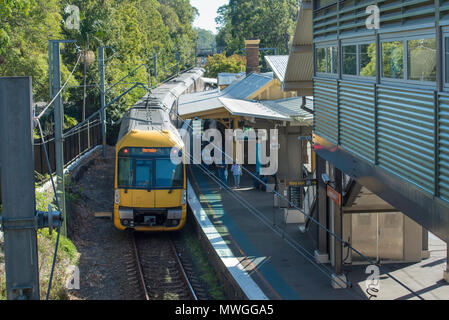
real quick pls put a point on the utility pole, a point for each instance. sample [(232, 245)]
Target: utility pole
[(321, 255), (155, 65), (102, 97), (85, 53), (59, 127), (17, 158), (177, 63)]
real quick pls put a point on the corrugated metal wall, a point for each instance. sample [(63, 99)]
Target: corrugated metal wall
[(349, 16), (405, 128), (326, 106), (443, 168), (406, 134), (357, 119)]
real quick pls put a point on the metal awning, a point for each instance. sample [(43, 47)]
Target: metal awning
[(206, 103), (245, 108), (299, 72), (291, 107), (279, 66)]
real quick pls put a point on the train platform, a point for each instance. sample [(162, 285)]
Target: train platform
[(277, 259), (272, 260)]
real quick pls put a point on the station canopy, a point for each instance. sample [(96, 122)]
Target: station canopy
[(208, 105), (234, 102)]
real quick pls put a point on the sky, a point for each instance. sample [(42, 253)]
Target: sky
[(208, 13)]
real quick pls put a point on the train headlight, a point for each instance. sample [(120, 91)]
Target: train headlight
[(117, 197), (184, 197)]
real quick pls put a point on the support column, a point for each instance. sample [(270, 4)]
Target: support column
[(235, 125), (338, 279), (425, 253), (18, 194), (59, 139), (322, 253), (338, 224), (102, 98)]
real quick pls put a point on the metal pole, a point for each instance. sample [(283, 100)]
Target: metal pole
[(50, 79), (155, 65), (88, 135), (102, 98), (59, 139), (338, 223), (18, 194), (322, 205), (177, 63)]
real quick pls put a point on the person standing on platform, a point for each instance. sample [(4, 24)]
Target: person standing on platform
[(226, 174), (221, 175), (236, 170)]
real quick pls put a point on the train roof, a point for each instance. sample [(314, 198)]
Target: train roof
[(168, 92), (152, 112), (149, 118)]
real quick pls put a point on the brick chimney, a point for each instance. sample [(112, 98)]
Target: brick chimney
[(252, 56)]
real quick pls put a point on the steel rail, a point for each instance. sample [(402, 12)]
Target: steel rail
[(139, 268), (183, 272)]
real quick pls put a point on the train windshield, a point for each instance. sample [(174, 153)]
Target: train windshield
[(168, 174), (152, 169)]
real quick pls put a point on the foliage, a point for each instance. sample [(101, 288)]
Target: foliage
[(206, 39), (131, 29), (220, 63), (202, 264), (271, 21), (67, 255)]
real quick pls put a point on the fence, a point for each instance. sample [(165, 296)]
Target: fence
[(75, 145)]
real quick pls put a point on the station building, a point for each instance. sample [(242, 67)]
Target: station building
[(379, 78)]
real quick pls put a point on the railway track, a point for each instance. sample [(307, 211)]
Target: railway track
[(158, 272)]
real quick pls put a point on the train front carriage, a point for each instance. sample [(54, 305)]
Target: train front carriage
[(150, 183), (150, 174)]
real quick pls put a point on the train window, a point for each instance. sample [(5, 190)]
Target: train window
[(144, 173), (393, 59), (125, 172), (168, 174), (422, 59)]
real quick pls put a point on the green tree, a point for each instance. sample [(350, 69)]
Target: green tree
[(272, 21), (131, 29), (179, 15), (205, 40), (220, 63)]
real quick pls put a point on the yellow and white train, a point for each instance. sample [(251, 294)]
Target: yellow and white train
[(151, 189)]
